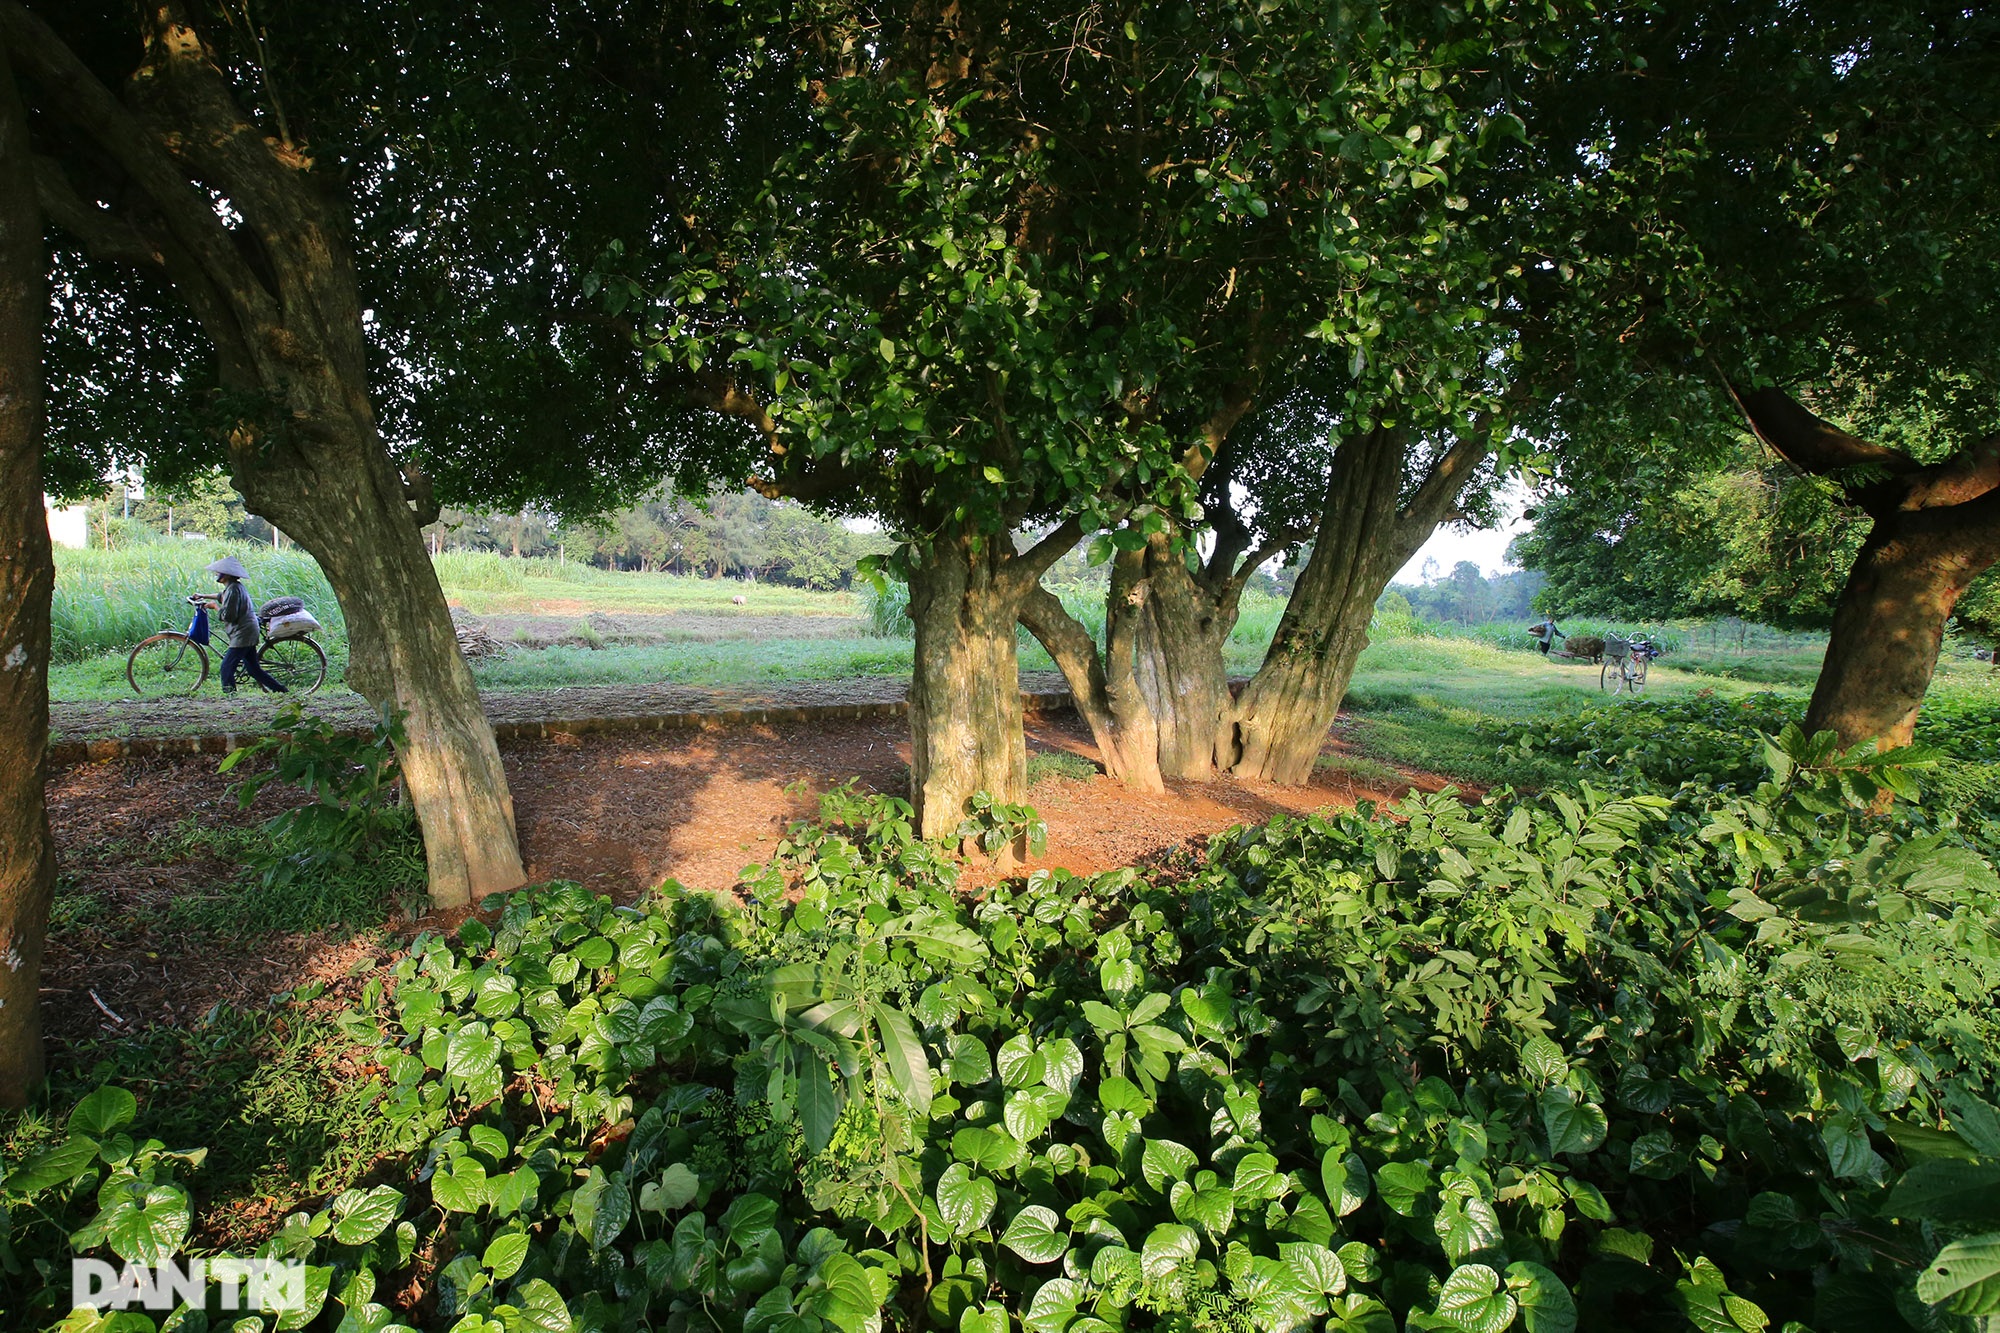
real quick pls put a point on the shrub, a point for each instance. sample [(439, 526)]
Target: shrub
[(1624, 1059)]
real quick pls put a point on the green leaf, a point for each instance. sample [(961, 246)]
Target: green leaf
[(984, 1319), (819, 1103), (462, 1189), (1062, 1065), (1169, 1248), (504, 1255), (676, 1188), (1257, 1179), (1121, 1094), (151, 1231), (472, 1051), (1977, 1121), (1573, 1125), (1402, 1184), (1164, 1162), (1054, 1306), (1966, 1273), (965, 1201), (909, 1066), (748, 1220), (1848, 1150), (1313, 1268), (1465, 1227), (53, 1166), (1472, 1299), (988, 1147), (887, 347), (1945, 1190), (1345, 1178), (1212, 1207), (1033, 1235), (103, 1111), (1020, 1064), (359, 1217), (1546, 1305)]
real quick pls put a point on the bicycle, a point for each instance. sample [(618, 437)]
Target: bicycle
[(174, 661), (1625, 663)]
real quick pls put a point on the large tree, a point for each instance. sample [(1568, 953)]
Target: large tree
[(176, 177), (1380, 362), (341, 251), (27, 577), (980, 299), (1783, 217)]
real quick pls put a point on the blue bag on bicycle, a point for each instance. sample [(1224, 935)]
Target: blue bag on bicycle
[(198, 630)]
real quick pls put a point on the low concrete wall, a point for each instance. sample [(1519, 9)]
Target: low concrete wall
[(137, 747)]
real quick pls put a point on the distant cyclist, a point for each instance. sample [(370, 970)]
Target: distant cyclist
[(239, 626), (1546, 634)]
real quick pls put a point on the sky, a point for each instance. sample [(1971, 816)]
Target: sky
[(1486, 548)]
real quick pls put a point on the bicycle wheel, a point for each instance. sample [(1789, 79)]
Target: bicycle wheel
[(1611, 676), (168, 663), (297, 664), (1637, 680)]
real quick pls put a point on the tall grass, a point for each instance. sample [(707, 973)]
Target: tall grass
[(490, 571), (106, 601)]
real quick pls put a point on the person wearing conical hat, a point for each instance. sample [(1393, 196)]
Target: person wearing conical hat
[(239, 626)]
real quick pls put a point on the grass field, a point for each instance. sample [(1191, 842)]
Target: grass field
[(107, 601)]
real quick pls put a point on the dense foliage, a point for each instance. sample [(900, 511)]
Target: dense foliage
[(1704, 1039)]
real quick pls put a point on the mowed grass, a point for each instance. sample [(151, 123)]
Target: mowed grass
[(1431, 704), (488, 584)]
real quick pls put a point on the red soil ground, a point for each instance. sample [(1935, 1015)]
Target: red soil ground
[(618, 813)]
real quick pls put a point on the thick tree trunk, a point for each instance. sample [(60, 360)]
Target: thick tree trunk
[(27, 578), (1937, 528), (1107, 694), (1889, 625), (402, 652), (965, 689), (1366, 533), (291, 350), (1180, 669)]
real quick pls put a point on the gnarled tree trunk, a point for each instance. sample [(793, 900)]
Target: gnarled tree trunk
[(27, 577), (1183, 628), (403, 653), (1366, 533), (1937, 528), (966, 593), (1107, 694), (1889, 622), (277, 296)]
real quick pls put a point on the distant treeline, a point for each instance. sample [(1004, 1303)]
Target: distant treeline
[(1466, 596), (725, 536)]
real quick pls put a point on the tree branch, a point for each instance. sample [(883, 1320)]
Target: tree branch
[(1808, 442), (1439, 492), (75, 94), (105, 235), (1034, 562)]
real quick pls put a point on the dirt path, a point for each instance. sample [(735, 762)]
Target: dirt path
[(617, 812)]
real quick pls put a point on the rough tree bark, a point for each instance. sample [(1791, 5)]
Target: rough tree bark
[(277, 295), (967, 590), (27, 576), (1105, 688), (1366, 533), (1187, 620), (1936, 529)]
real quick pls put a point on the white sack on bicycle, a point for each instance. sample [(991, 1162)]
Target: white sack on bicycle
[(293, 625)]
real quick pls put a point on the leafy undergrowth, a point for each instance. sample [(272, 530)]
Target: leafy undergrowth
[(1702, 1038)]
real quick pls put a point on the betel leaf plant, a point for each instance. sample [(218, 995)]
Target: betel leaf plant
[(1516, 1063)]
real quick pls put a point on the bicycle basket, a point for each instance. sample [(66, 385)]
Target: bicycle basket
[(1617, 649)]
